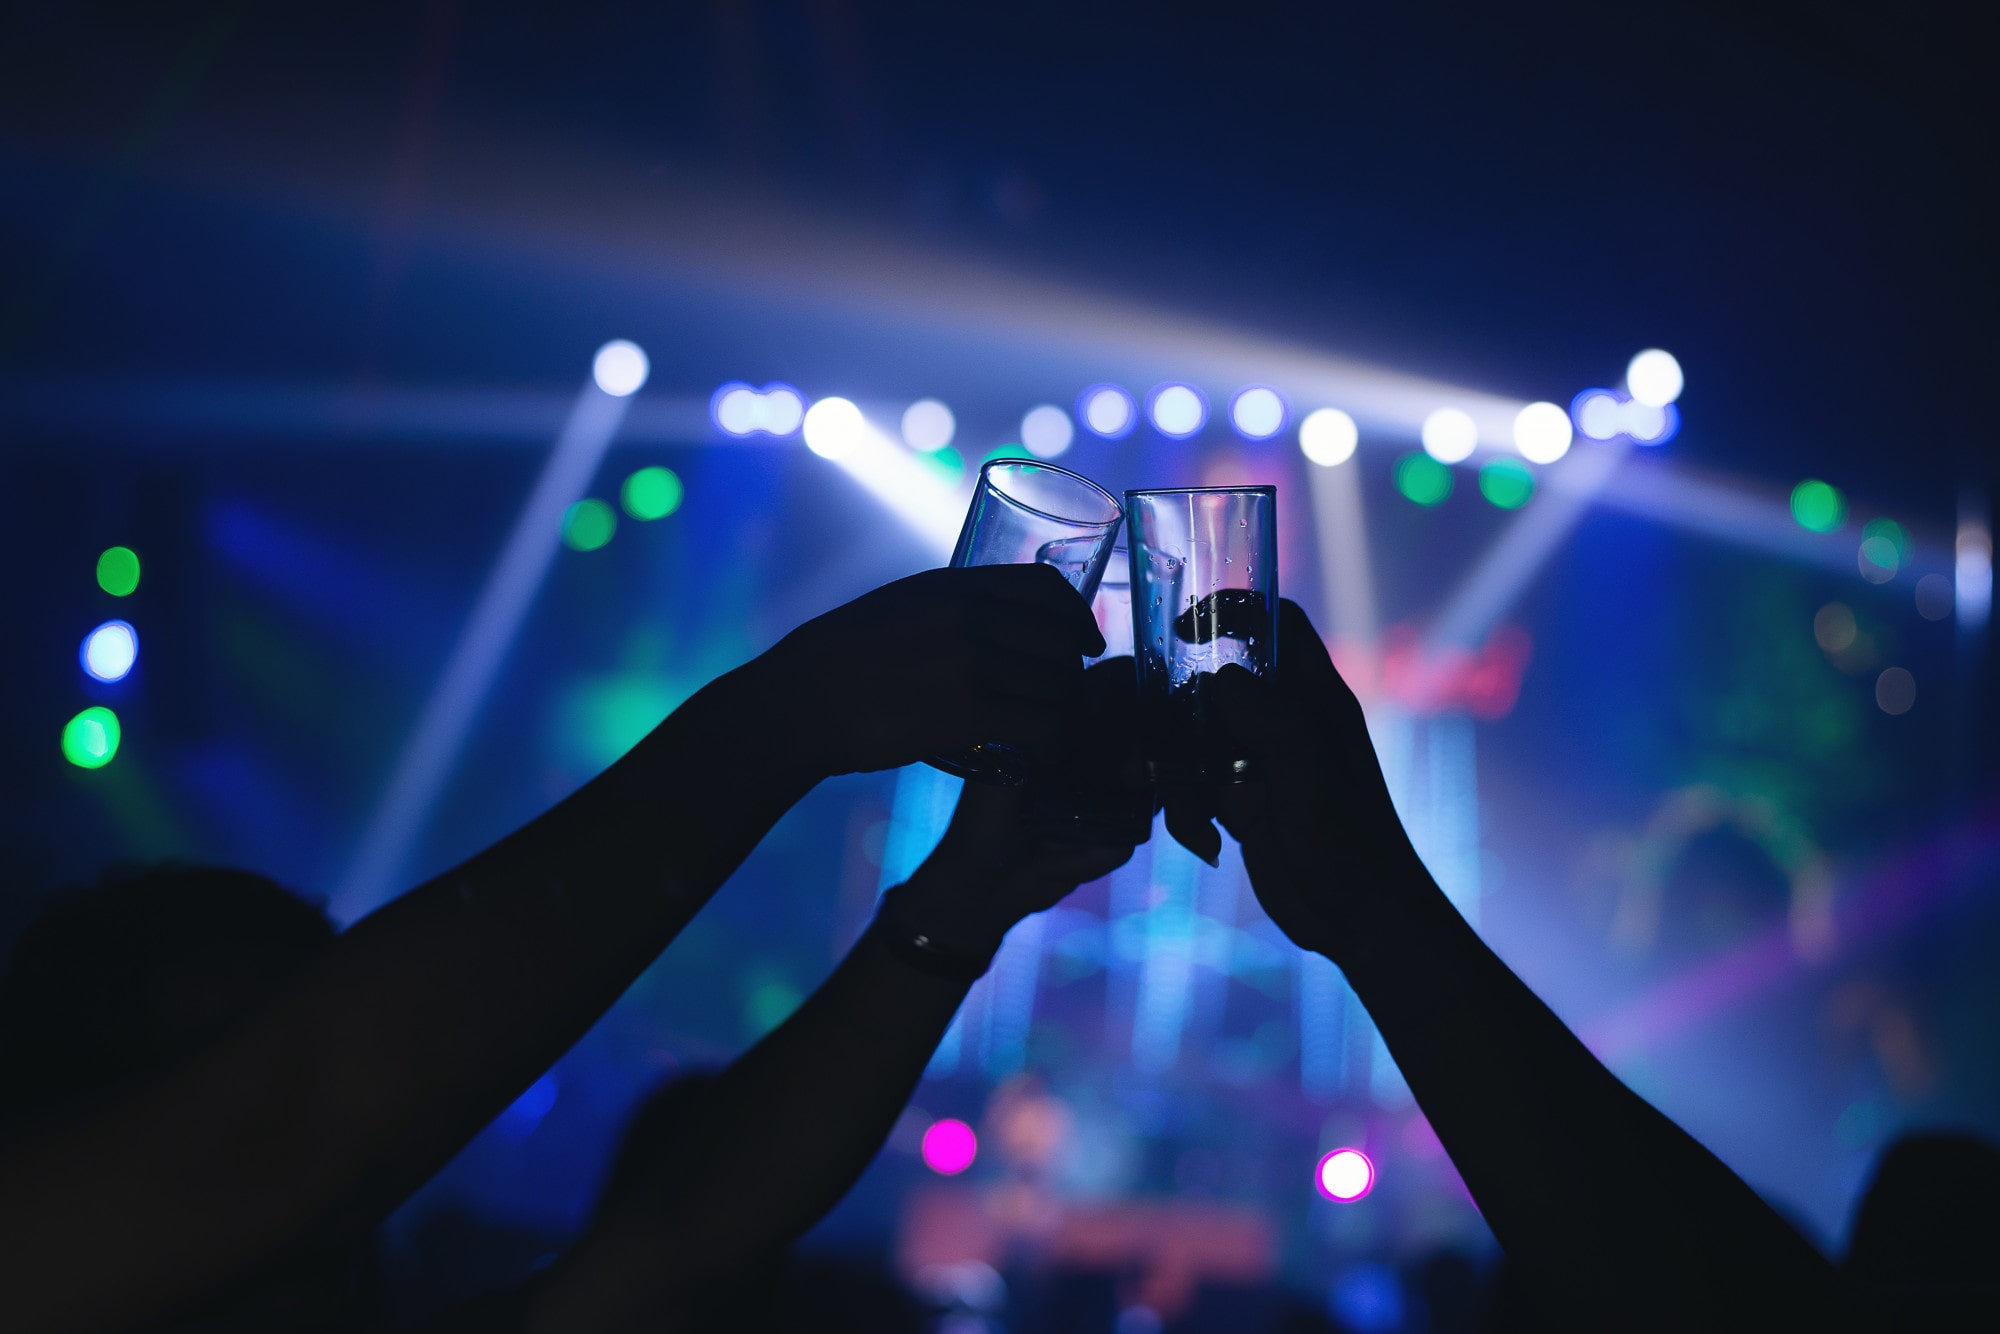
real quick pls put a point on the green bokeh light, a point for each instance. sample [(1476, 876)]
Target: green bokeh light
[(652, 493), (1890, 532), (90, 739), (589, 524), (1507, 483), (769, 1004), (1818, 507), (1423, 479), (947, 463), (118, 571)]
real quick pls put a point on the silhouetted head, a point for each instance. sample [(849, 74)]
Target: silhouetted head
[(117, 982), (1931, 1216)]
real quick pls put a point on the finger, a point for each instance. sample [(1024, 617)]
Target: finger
[(1306, 671), (1190, 827), (1026, 630), (1018, 676), (1043, 586), (1245, 811)]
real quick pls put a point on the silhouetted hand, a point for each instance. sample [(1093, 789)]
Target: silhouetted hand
[(934, 663), (1321, 839), (990, 870)]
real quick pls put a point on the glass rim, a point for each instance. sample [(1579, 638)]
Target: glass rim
[(1271, 491), (1117, 509)]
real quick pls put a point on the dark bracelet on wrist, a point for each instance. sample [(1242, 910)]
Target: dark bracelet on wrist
[(924, 952)]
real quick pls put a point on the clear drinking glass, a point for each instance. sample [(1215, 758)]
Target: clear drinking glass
[(1204, 595), (1112, 606), (1091, 805), (1025, 512)]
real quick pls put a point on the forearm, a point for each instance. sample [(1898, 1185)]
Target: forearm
[(826, 1086), (1613, 1213), (419, 1026)]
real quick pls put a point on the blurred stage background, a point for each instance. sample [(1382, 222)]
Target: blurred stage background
[(1692, 717)]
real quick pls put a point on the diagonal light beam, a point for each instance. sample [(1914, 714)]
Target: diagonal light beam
[(433, 749)]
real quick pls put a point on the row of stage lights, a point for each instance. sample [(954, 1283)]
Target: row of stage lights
[(108, 655), (1643, 413), (949, 1146)]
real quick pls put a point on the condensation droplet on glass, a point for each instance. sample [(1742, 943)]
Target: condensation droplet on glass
[(1242, 523)]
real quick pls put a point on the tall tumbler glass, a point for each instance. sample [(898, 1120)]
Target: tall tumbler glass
[(1027, 512), (1204, 595)]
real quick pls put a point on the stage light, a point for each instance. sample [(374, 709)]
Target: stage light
[(90, 739), (110, 650), (739, 409), (588, 524), (619, 368), (833, 427), (1257, 413), (1423, 479), (118, 571), (1833, 627), (1107, 410), (928, 425), (1046, 431), (1328, 437), (651, 493), (1972, 571), (1542, 432), (1645, 424), (1598, 414), (1654, 378), (949, 1146), (1882, 546), (1345, 1175), (1819, 507), (1450, 435), (784, 409), (1178, 410), (1896, 691), (1934, 597), (1508, 483)]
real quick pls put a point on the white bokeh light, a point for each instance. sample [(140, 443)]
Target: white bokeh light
[(1450, 435), (1598, 414), (928, 425), (739, 410), (783, 411), (1542, 432), (1178, 411), (1257, 413), (833, 427), (1328, 437), (1345, 1175), (1644, 422), (110, 650), (1108, 410), (619, 368), (1046, 432), (1654, 378)]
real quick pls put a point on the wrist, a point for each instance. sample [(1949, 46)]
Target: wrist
[(903, 927), (955, 910), (1405, 917), (748, 721)]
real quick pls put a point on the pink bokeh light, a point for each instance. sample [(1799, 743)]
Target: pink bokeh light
[(949, 1147), (1345, 1175)]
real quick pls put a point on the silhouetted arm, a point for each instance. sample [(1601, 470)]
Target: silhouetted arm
[(786, 1130), (428, 1017), (1616, 1217)]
